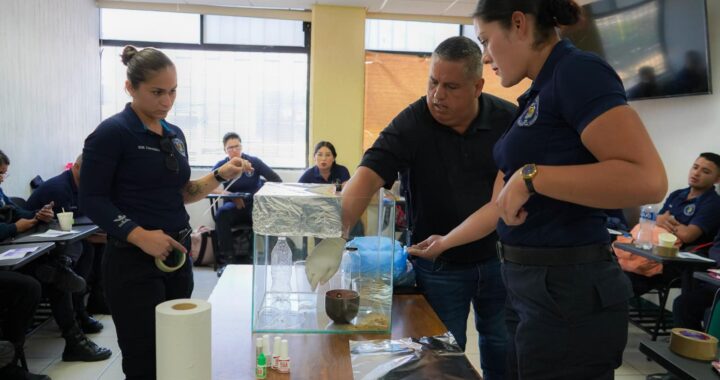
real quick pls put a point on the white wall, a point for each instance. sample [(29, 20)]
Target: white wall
[(684, 127), (49, 85)]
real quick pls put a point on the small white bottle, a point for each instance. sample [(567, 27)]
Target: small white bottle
[(266, 347), (276, 353), (284, 360)]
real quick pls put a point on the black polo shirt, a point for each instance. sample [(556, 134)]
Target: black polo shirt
[(572, 89), (125, 181), (449, 175), (60, 189)]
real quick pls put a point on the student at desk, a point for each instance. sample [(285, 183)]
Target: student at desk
[(61, 281), (238, 210), (14, 219), (326, 169), (62, 191), (692, 214)]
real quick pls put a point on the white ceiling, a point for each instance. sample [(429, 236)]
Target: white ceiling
[(461, 8)]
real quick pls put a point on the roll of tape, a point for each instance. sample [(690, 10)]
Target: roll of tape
[(693, 344), (183, 346), (166, 268)]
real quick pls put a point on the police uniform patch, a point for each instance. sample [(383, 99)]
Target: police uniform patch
[(179, 146), (530, 115), (689, 210)]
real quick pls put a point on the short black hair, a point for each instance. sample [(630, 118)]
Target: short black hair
[(712, 157), (4, 160), (460, 48), (230, 135)]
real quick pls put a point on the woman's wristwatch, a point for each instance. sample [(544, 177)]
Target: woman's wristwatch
[(529, 172), (218, 177)]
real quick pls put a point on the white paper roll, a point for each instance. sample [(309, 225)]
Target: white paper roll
[(183, 348)]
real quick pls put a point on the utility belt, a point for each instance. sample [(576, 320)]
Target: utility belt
[(557, 256)]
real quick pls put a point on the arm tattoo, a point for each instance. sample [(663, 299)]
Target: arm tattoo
[(193, 189)]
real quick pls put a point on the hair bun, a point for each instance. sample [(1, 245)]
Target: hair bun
[(128, 53), (559, 12)]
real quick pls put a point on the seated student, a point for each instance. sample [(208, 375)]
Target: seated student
[(326, 169), (61, 282), (13, 219), (692, 214), (239, 210), (62, 191), (690, 306), (19, 297)]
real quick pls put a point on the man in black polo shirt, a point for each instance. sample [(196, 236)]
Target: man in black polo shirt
[(442, 147)]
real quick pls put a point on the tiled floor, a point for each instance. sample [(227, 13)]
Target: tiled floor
[(44, 348)]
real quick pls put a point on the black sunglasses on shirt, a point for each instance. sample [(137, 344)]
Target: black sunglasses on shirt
[(166, 146)]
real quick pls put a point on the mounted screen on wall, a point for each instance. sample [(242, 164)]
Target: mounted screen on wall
[(658, 47)]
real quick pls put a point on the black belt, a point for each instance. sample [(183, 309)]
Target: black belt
[(553, 256)]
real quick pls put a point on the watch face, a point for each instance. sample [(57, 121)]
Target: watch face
[(528, 170)]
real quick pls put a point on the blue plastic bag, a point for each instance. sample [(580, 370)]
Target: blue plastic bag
[(374, 253)]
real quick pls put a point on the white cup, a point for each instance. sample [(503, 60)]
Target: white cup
[(66, 220), (667, 240)]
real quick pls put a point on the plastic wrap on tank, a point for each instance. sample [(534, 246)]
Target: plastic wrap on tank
[(294, 209)]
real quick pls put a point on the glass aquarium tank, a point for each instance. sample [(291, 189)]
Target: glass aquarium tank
[(289, 220)]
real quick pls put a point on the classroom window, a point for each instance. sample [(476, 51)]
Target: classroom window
[(231, 82)]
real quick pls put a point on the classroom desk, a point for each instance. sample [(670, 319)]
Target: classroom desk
[(655, 321), (312, 356), (679, 366), (13, 264), (704, 276), (687, 266), (83, 232)]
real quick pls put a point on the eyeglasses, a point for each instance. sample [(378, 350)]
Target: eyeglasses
[(234, 147), (166, 146)]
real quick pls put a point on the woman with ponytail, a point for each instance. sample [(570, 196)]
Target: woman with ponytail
[(574, 149)]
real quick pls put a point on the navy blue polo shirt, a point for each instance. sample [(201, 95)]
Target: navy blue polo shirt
[(60, 189), (571, 90), (702, 211), (250, 183), (125, 181), (337, 173), (448, 175)]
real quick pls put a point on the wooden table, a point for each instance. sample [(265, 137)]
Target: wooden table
[(12, 264), (83, 232), (312, 356), (679, 366)]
